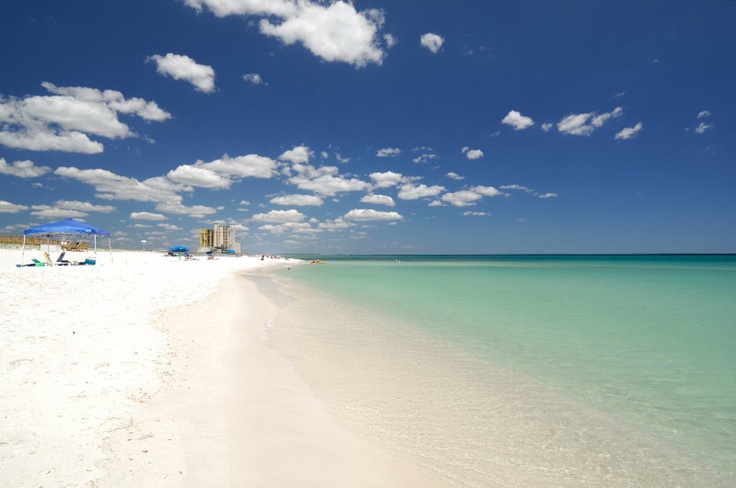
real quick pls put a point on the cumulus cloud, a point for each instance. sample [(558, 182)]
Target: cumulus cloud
[(7, 207), (432, 41), (629, 132), (333, 31), (454, 176), (22, 169), (517, 121), (472, 153), (299, 154), (280, 216), (198, 175), (584, 124), (461, 198), (379, 200), (388, 152), (464, 198), (182, 67), (298, 200), (147, 216), (366, 215), (110, 186), (414, 192), (65, 120), (387, 179), (248, 166), (324, 180)]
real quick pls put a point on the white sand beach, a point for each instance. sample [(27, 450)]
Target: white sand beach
[(146, 370)]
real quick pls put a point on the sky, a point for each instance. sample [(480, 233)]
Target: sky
[(433, 126)]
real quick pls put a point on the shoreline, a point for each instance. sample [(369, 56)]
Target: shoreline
[(470, 421), (159, 372), (155, 372)]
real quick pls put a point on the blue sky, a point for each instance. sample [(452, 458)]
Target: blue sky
[(539, 126)]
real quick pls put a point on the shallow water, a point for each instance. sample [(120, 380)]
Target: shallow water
[(519, 371)]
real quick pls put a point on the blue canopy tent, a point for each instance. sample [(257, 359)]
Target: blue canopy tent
[(179, 249), (68, 227)]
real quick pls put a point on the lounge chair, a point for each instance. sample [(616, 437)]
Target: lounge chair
[(47, 259), (60, 261)]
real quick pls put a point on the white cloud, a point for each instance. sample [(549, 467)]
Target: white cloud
[(335, 32), (548, 195), (387, 179), (379, 200), (23, 169), (704, 114), (487, 191), (476, 214), (517, 121), (454, 176), (52, 212), (366, 215), (198, 175), (388, 152), (415, 192), (431, 41), (332, 31), (182, 67), (298, 200), (194, 211), (462, 198), (585, 124), (324, 180), (113, 99), (425, 158), (703, 127), (629, 132), (110, 186), (299, 154), (248, 166), (7, 207), (147, 216), (299, 228), (65, 120), (280, 216), (547, 126), (254, 79), (472, 154)]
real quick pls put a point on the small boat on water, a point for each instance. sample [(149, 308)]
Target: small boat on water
[(315, 261)]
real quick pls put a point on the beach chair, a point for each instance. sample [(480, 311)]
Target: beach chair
[(47, 259), (60, 261)]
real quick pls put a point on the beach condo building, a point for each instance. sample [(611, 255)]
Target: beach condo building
[(206, 238), (224, 237)]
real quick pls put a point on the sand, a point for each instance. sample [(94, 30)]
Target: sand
[(146, 370)]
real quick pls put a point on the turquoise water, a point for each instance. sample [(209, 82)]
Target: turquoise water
[(649, 341)]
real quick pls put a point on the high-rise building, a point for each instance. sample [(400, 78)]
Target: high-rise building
[(224, 237), (206, 238)]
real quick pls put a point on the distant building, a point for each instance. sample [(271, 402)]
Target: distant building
[(224, 237), (206, 238)]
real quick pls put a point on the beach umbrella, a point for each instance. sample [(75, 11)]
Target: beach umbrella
[(179, 249)]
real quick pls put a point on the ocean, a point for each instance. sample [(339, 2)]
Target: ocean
[(525, 370)]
